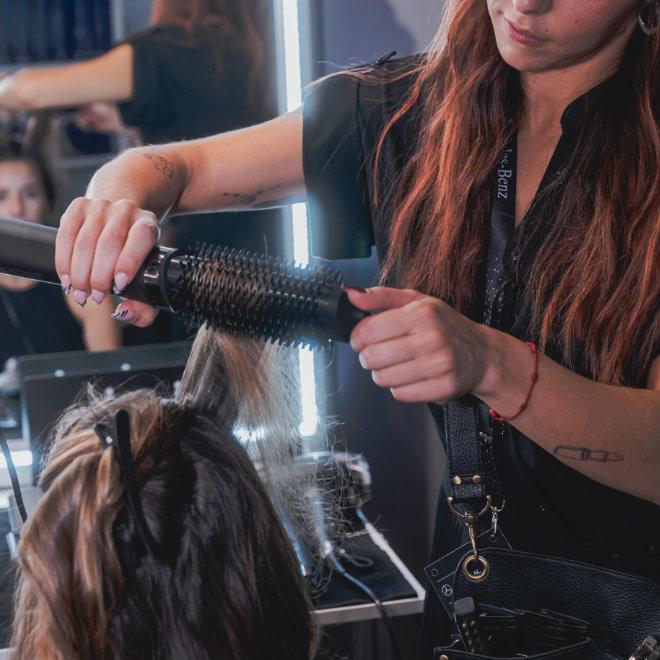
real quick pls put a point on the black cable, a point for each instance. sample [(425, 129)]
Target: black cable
[(13, 476), (329, 554), (335, 562), (389, 626)]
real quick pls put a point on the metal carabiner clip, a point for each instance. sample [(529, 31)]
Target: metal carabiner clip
[(470, 520)]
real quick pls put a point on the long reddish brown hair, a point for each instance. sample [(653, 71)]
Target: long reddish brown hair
[(249, 22), (594, 283)]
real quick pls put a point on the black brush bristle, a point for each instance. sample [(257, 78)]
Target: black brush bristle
[(256, 296)]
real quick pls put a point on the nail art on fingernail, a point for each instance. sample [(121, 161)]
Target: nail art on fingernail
[(121, 280), (128, 316), (97, 296), (357, 289), (81, 297), (66, 283)]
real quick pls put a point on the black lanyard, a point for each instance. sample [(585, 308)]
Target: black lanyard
[(502, 227), (470, 452)]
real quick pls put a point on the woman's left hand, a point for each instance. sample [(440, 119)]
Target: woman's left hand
[(418, 347)]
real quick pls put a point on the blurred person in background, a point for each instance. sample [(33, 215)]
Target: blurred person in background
[(200, 68), (36, 317)]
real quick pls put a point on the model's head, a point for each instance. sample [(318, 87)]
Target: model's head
[(542, 35), (226, 583), (26, 186)]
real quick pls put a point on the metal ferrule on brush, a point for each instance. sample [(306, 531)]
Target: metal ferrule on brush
[(157, 281)]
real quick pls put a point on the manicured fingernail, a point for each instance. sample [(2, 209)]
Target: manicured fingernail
[(128, 316), (363, 362), (121, 280), (97, 296), (81, 297), (358, 289), (66, 283)]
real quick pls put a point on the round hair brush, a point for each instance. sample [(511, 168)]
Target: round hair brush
[(234, 291)]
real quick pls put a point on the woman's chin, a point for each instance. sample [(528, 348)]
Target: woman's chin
[(526, 60)]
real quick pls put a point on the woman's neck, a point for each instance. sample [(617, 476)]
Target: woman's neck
[(548, 93)]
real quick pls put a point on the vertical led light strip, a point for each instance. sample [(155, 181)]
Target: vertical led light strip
[(293, 86)]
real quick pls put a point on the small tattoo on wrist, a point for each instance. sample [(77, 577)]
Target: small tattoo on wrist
[(586, 454), (164, 166)]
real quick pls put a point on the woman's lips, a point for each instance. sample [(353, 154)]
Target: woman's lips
[(521, 36)]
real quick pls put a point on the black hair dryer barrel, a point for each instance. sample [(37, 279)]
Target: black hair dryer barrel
[(28, 250)]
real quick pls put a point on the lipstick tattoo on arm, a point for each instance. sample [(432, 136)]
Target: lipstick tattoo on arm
[(586, 454)]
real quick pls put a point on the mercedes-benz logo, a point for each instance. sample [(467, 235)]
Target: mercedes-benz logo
[(447, 590)]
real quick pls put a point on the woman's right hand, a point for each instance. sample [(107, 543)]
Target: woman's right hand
[(100, 247)]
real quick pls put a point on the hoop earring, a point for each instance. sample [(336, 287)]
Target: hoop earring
[(649, 17)]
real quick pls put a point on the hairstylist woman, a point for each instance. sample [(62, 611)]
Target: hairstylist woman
[(510, 181)]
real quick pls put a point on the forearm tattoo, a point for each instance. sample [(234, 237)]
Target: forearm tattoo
[(586, 454), (164, 166), (259, 199)]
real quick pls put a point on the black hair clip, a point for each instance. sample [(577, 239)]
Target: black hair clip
[(13, 476), (384, 59), (119, 438)]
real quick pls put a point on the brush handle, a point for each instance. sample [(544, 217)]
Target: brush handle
[(27, 250)]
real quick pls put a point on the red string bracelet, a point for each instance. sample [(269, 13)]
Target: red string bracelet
[(535, 376)]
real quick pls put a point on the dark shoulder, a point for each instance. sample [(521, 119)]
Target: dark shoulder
[(398, 78), (368, 94), (388, 82), (155, 34), (172, 35)]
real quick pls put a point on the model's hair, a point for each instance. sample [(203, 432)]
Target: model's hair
[(245, 22), (594, 283), (227, 584)]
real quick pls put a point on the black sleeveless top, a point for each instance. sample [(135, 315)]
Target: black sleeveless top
[(550, 508), (187, 85), (37, 321)]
